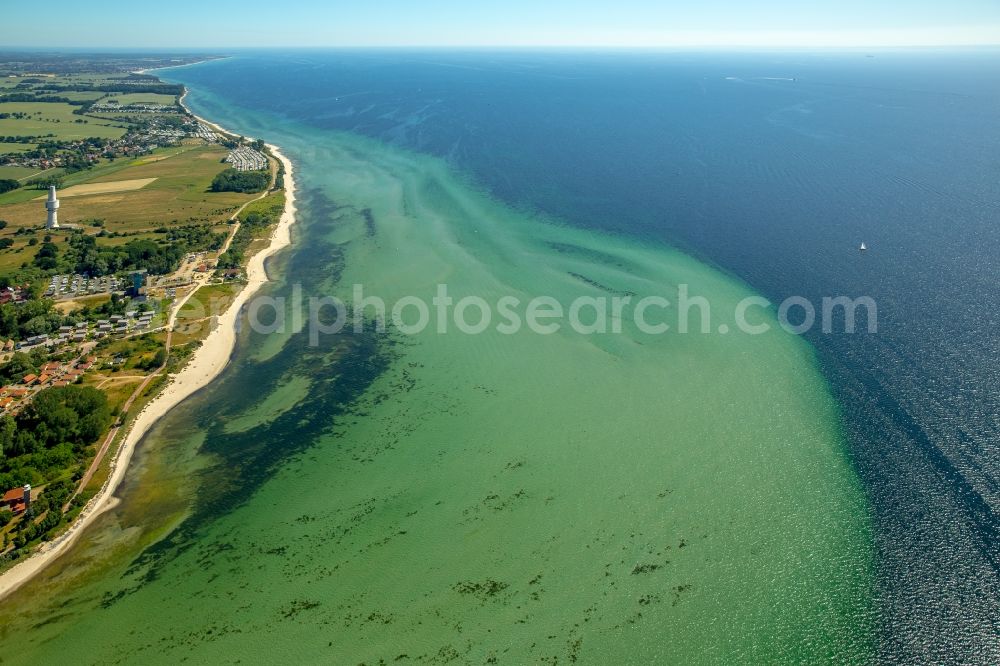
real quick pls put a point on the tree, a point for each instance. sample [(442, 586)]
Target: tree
[(45, 183), (157, 360), (40, 325), (7, 430), (71, 415), (232, 180), (15, 318), (47, 257), (19, 365)]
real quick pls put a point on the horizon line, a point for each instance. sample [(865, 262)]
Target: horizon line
[(512, 47)]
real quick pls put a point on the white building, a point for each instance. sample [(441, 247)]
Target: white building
[(52, 206)]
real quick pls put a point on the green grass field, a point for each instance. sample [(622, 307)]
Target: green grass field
[(12, 258), (181, 175), (61, 79), (17, 147), (16, 172), (142, 98), (180, 195), (102, 171), (194, 320), (83, 95), (273, 205), (55, 118)]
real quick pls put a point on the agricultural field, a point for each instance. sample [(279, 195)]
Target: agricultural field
[(82, 96), (102, 170), (46, 118), (16, 172), (105, 190), (177, 194), (141, 98), (17, 148), (103, 187), (173, 191)]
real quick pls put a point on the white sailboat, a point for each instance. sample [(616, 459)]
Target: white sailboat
[(863, 248)]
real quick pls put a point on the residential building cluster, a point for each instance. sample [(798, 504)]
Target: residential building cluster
[(247, 159), (132, 321), (14, 294), (68, 286), (142, 140), (73, 151), (170, 133), (205, 132), (112, 106), (53, 373), (133, 144)]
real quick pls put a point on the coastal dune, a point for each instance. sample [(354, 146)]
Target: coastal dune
[(207, 362)]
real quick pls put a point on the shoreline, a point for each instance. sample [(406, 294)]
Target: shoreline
[(187, 64), (206, 363)]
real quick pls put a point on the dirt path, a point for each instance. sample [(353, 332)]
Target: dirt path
[(235, 216), (114, 432), (122, 379), (199, 282)]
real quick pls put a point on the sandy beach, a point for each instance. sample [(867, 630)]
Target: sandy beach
[(205, 364)]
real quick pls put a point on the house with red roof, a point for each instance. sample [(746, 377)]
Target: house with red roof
[(18, 499)]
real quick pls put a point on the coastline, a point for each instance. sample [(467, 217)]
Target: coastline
[(404, 449), (187, 64), (205, 364)]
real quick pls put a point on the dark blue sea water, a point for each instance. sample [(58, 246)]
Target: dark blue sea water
[(773, 167)]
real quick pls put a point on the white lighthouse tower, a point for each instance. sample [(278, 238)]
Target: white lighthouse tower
[(52, 205)]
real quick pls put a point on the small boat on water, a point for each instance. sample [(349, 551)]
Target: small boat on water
[(863, 248)]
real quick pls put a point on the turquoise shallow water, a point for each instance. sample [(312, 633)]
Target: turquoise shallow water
[(434, 498)]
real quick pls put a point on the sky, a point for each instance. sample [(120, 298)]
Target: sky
[(570, 23)]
